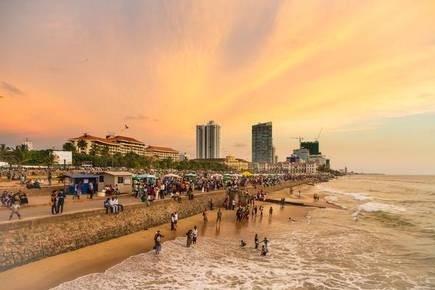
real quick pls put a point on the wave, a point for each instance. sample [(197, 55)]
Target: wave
[(297, 260), (355, 195), (378, 207)]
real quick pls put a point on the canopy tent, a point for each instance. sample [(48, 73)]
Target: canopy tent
[(171, 175), (216, 175), (246, 174)]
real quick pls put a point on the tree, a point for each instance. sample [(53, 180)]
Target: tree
[(82, 145), (20, 154), (69, 147)]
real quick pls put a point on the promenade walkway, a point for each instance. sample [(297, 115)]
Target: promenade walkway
[(44, 209)]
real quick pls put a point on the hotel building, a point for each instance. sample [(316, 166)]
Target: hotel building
[(122, 145)]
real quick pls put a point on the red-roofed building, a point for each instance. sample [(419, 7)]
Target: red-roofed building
[(161, 152), (121, 144)]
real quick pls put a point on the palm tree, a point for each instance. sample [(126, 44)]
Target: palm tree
[(21, 154), (82, 145)]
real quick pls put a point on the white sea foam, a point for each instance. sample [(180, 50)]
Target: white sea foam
[(355, 195), (297, 260), (377, 206)]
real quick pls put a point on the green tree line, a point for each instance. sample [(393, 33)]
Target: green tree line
[(101, 157)]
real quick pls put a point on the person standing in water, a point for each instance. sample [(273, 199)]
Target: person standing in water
[(194, 235), (263, 251), (158, 242), (270, 211), (256, 241), (189, 236)]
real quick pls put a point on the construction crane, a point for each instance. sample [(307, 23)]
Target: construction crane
[(318, 136), (300, 139)]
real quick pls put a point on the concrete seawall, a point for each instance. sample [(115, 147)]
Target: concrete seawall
[(25, 241)]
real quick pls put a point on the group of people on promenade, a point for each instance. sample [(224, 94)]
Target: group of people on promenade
[(112, 205), (13, 202), (57, 201)]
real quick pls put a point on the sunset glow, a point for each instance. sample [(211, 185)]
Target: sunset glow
[(363, 71)]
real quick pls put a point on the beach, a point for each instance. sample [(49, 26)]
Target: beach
[(381, 237), (52, 271)]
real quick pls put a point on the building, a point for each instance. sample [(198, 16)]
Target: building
[(122, 180), (312, 146), (302, 154), (208, 138), (122, 145), (299, 168), (232, 162), (162, 152), (86, 142), (127, 144), (262, 145), (28, 144)]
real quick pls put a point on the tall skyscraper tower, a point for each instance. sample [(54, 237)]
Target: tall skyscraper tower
[(262, 145), (208, 140)]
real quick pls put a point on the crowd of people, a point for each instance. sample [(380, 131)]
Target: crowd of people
[(13, 201)]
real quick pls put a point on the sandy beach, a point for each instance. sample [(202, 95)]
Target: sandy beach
[(52, 271)]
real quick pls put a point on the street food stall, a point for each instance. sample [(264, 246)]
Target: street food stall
[(81, 180)]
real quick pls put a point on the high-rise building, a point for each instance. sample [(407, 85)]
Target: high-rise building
[(208, 141), (28, 144), (313, 147), (262, 147)]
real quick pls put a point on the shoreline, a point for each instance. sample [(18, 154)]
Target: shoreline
[(52, 271)]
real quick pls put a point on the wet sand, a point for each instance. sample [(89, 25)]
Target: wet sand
[(52, 271)]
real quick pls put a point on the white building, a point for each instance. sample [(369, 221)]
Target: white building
[(208, 139), (302, 153), (28, 144)]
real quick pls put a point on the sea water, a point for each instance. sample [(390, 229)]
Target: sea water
[(384, 238)]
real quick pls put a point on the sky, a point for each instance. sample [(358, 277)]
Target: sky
[(362, 71)]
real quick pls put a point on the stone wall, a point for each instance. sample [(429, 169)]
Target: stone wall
[(25, 241)]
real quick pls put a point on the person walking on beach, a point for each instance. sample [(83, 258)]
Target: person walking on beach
[(204, 215), (194, 235), (219, 216), (15, 206), (256, 241), (261, 211), (172, 221), (158, 242), (175, 220), (270, 211)]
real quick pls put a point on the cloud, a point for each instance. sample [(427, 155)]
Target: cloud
[(11, 89), (136, 117), (240, 145)]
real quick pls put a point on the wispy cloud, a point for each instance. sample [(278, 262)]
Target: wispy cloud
[(10, 89), (240, 145), (136, 117)]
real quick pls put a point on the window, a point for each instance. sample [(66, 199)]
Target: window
[(101, 180), (120, 179)]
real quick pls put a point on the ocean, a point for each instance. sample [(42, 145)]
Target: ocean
[(383, 238)]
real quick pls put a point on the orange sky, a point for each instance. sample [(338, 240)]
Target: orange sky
[(358, 69)]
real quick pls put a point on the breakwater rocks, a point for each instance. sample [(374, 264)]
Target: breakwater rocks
[(25, 241)]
